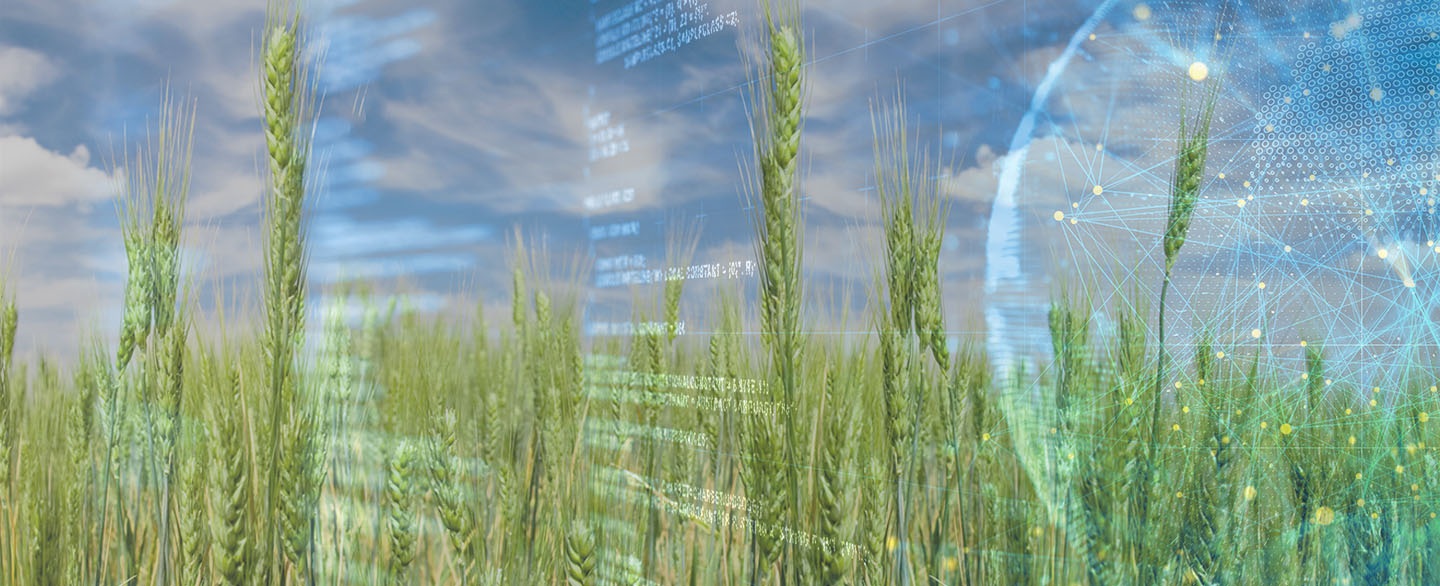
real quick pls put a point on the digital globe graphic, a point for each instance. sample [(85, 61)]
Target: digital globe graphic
[(1316, 221)]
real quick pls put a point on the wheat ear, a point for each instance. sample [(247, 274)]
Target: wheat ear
[(286, 99)]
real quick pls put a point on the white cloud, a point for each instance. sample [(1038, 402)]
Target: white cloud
[(31, 175), (22, 71)]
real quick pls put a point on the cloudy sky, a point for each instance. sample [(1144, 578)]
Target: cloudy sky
[(605, 131)]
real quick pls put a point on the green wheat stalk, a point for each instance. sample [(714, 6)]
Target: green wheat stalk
[(287, 103), (400, 494), (829, 496), (156, 183), (781, 104), (9, 321), (302, 476), (580, 556), (913, 211), (455, 515), (195, 526), (1189, 173), (234, 544), (9, 435), (171, 360)]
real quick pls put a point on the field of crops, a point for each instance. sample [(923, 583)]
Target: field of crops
[(401, 449)]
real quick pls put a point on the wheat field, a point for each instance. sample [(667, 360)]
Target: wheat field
[(407, 449)]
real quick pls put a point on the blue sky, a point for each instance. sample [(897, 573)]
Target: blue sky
[(449, 123), (446, 124)]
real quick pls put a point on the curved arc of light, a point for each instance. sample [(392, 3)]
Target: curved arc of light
[(1005, 283)]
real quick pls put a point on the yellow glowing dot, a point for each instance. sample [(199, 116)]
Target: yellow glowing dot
[(1179, 384), (1092, 36), (1434, 388), (1129, 401), (1097, 190), (1225, 440), (1347, 412), (1359, 475), (1424, 417), (1219, 354), (1059, 215), (1369, 211), (1324, 516), (1175, 427), (1383, 253), (1100, 147), (891, 543), (1375, 390), (1304, 343), (1285, 428), (950, 562), (1268, 128), (1075, 205), (1247, 184), (1072, 455), (1390, 161), (1038, 532), (1255, 333), (1261, 284), (1179, 495), (1399, 469), (1377, 94), (1240, 203), (1287, 248), (1359, 502), (984, 437), (1185, 409), (1073, 221), (1222, 175), (1374, 515), (1372, 402), (1304, 202), (1264, 424), (1312, 176), (1199, 71), (1142, 12), (1328, 381), (1250, 493)]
